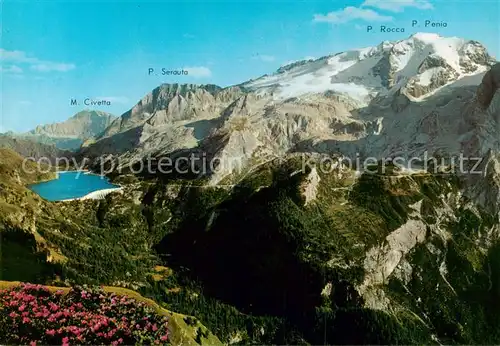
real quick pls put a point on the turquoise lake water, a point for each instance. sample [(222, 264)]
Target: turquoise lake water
[(71, 185)]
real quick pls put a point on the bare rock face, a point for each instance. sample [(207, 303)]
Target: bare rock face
[(432, 61), (488, 87), (419, 95), (473, 54), (382, 260), (399, 102), (434, 72), (385, 70), (483, 183), (309, 187), (441, 77), (168, 103)]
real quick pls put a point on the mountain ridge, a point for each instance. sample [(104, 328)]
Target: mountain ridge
[(68, 134), (418, 79), (343, 256), (79, 125), (394, 62)]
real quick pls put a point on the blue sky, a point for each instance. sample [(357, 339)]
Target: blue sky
[(53, 51)]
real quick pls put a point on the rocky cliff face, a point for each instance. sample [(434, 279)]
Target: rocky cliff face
[(403, 98), (170, 103)]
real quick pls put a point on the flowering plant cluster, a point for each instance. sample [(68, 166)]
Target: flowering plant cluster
[(32, 314)]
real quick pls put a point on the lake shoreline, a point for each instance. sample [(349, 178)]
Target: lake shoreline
[(95, 195), (73, 192)]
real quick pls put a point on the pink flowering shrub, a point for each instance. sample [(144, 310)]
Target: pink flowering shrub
[(31, 314)]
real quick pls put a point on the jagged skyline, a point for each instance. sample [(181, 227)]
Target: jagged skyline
[(46, 64)]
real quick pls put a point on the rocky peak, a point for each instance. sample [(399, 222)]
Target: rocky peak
[(292, 65), (183, 89), (419, 64), (161, 96), (473, 54), (84, 124)]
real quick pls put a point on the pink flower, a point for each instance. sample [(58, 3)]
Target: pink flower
[(13, 314), (164, 337), (74, 329), (33, 343), (50, 332), (53, 307), (96, 327), (22, 307), (28, 298), (26, 320), (52, 318), (154, 328), (137, 326), (65, 341)]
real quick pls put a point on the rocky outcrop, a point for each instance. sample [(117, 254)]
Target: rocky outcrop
[(488, 86), (309, 187), (169, 103), (434, 73), (399, 102), (385, 70), (474, 54)]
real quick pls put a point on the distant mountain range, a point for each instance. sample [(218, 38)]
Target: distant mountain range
[(308, 253), (397, 98), (404, 97), (69, 134), (32, 149)]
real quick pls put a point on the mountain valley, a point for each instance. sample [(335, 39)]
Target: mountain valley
[(296, 244)]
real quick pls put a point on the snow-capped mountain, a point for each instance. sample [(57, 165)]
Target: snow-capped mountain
[(399, 98), (417, 66)]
